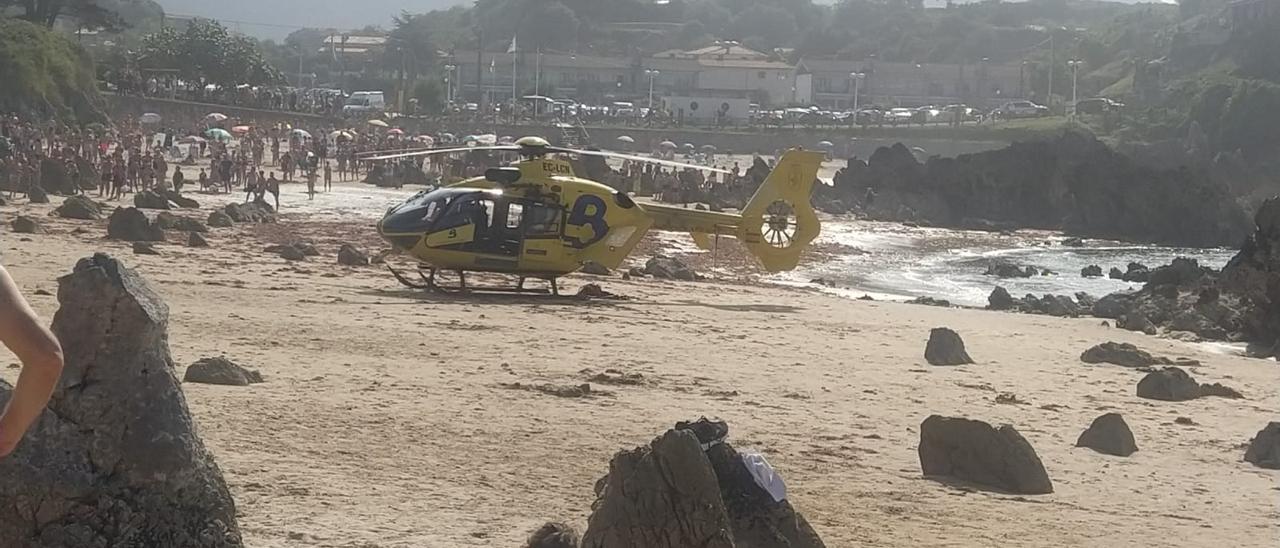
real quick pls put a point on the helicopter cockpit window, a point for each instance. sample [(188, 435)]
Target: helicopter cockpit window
[(514, 213), (542, 220)]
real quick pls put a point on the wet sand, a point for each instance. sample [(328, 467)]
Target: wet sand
[(384, 421)]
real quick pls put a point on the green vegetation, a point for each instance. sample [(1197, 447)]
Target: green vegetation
[(46, 74), (207, 52)]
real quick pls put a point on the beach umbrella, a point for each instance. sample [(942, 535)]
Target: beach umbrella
[(826, 144), (218, 134), (378, 123), (689, 146), (667, 144), (241, 129), (709, 148), (919, 151), (191, 139), (426, 140), (340, 134), (300, 134), (446, 137), (469, 138), (506, 139), (626, 139), (395, 131), (149, 118), (215, 117)]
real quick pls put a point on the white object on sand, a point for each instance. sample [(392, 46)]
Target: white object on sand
[(764, 474)]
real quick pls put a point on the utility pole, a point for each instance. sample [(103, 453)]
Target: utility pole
[(479, 68), (1052, 65), (1075, 69)]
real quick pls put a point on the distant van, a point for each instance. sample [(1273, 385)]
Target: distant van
[(365, 102)]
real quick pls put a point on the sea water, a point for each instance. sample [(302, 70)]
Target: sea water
[(889, 260)]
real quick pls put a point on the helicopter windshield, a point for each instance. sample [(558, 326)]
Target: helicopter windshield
[(423, 210)]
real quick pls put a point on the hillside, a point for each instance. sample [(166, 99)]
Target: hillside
[(276, 19), (46, 74)]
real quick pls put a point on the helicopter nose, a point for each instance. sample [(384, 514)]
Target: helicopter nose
[(403, 227)]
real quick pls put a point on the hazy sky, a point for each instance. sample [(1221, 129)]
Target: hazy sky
[(277, 18)]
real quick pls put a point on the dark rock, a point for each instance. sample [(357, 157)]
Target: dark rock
[(253, 212), (1109, 435), (1085, 300), (1180, 272), (117, 460), (1114, 306), (973, 451), (79, 207), (1135, 321), (1168, 384), (945, 348), (1115, 274), (26, 225), (307, 249), (1059, 305), (166, 220), (37, 195), (1000, 299), (131, 224), (289, 253), (595, 269), (144, 248), (1208, 296), (220, 219), (194, 239), (553, 535), (1264, 450), (673, 494), (930, 301), (636, 272), (1091, 271), (169, 221), (148, 199), (669, 268), (220, 371), (1007, 270), (1137, 272), (180, 200), (351, 256), (1073, 242), (1116, 353), (1218, 390)]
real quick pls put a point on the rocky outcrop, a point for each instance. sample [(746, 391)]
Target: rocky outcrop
[(220, 219), (974, 451), (945, 348), (1051, 305), (1008, 270), (1168, 384), (350, 255), (37, 195), (144, 248), (252, 212), (1091, 271), (179, 200), (1183, 296), (169, 221), (1264, 450), (1072, 182), (690, 488), (1000, 299), (23, 224), (1124, 354), (220, 370), (116, 459), (1109, 434), (195, 239), (1252, 278), (595, 269), (132, 225), (148, 199), (669, 268), (79, 207)]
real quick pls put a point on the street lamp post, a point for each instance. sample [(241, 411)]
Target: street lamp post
[(651, 73), (448, 83), (855, 77), (1074, 64)]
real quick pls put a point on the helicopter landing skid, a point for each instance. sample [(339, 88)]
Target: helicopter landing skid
[(428, 276)]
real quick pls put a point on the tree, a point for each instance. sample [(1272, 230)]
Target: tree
[(207, 52), (548, 25), (85, 13)]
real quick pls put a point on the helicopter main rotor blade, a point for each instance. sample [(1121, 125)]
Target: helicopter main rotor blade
[(438, 151), (633, 157)]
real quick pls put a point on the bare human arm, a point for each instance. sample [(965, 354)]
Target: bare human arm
[(41, 357)]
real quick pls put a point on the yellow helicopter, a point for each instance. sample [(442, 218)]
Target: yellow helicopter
[(536, 219)]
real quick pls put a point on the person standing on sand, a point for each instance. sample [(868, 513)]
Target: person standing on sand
[(328, 176), (177, 180), (311, 184), (273, 186), (41, 357)]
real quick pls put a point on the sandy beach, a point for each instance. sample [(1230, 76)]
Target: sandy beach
[(389, 418)]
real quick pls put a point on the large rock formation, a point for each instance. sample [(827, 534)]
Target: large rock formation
[(1253, 278), (1109, 434), (115, 460), (131, 224), (945, 347), (973, 451), (79, 207), (669, 268), (674, 494), (1168, 384), (1072, 182), (1264, 450), (1124, 354)]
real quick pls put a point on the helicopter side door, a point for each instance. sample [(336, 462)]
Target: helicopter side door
[(542, 227)]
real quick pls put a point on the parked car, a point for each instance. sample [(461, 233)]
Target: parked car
[(1021, 109), (365, 102), (899, 115), (1097, 105)]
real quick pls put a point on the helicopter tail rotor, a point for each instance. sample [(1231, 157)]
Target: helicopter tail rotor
[(779, 222)]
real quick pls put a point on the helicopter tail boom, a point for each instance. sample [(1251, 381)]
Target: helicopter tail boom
[(779, 222)]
